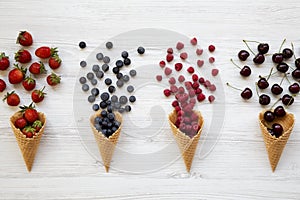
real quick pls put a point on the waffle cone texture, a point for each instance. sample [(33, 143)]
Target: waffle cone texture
[(28, 146), (186, 144), (275, 146), (106, 145)]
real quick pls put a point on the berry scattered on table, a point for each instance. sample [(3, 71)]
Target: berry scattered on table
[(82, 44), (24, 38), (23, 56), (4, 62), (12, 99)]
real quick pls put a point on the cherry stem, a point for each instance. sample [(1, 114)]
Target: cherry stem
[(235, 64), (248, 47), (281, 45), (270, 73), (282, 79), (293, 49), (233, 87), (256, 88), (251, 41), (287, 78), (275, 103)]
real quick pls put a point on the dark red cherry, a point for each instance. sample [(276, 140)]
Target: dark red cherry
[(276, 89), (262, 83), (263, 48), (269, 116), (246, 93), (287, 53), (243, 55), (279, 111), (245, 71), (287, 100), (277, 57), (282, 67), (259, 59), (296, 73), (294, 88), (277, 129), (264, 99)]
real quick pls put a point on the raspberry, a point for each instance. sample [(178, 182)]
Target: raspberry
[(193, 101), (190, 70), (196, 128), (201, 80), (212, 87), (168, 71), (188, 85), (195, 85), (178, 66), (211, 59), (200, 63), (158, 77), (181, 90), (211, 48), (198, 91), (170, 50), (207, 84), (211, 98), (181, 78), (167, 92), (200, 97), (199, 52), (195, 77), (179, 45), (183, 55), (169, 57), (214, 72), (194, 41), (172, 80), (177, 108), (175, 103), (162, 64), (192, 93), (194, 117), (174, 89)]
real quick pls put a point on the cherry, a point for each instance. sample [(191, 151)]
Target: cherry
[(277, 57), (259, 59), (263, 48), (287, 53), (294, 88), (262, 83), (277, 130), (264, 99), (287, 100), (269, 116), (245, 71), (282, 67), (276, 89), (279, 111), (296, 73), (297, 63), (245, 94), (243, 55)]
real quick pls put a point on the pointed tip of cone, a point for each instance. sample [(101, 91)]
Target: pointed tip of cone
[(273, 167), (106, 168), (28, 167)]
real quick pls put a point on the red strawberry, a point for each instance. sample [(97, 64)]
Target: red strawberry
[(54, 62), (37, 125), (28, 131), (37, 68), (45, 52), (53, 79), (30, 113), (23, 56), (16, 75), (4, 61), (12, 99), (38, 95), (28, 83), (2, 85), (20, 123), (24, 38)]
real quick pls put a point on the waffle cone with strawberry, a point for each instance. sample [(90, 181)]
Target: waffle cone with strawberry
[(275, 145), (28, 126), (106, 142), (187, 140)]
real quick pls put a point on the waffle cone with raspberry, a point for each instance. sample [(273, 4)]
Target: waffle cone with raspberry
[(275, 146), (186, 144)]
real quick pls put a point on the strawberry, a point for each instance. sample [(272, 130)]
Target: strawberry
[(20, 123), (37, 68), (24, 38), (38, 95), (28, 131), (29, 83), (37, 125), (23, 56), (4, 61), (16, 75), (30, 113), (53, 79), (2, 85), (54, 62), (12, 99), (45, 52)]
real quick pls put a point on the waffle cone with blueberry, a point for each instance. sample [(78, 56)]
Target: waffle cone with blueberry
[(29, 143), (276, 143), (106, 141), (187, 142)]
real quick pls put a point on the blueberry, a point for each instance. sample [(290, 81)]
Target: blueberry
[(127, 61), (109, 109), (90, 75), (126, 78), (130, 88), (111, 116), (104, 132), (82, 45), (123, 100), (108, 81), (109, 132), (85, 87), (124, 54), (116, 70), (105, 67), (114, 129), (98, 127), (91, 99), (106, 59), (83, 64), (96, 68), (108, 102), (82, 80), (119, 75), (111, 89), (141, 50), (132, 73), (104, 96), (132, 99), (99, 74), (120, 83), (95, 92), (109, 45), (109, 125), (94, 81), (119, 63), (121, 110), (116, 124), (103, 113), (114, 98), (103, 104), (117, 105), (99, 56), (128, 108), (96, 107), (97, 120)]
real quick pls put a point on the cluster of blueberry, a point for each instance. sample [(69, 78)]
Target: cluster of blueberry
[(107, 123)]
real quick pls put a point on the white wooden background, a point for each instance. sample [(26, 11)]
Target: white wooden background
[(237, 167)]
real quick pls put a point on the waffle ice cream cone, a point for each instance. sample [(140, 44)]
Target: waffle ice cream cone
[(275, 145), (186, 144), (106, 145), (28, 146)]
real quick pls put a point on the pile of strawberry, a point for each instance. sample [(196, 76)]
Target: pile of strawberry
[(19, 75), (29, 123)]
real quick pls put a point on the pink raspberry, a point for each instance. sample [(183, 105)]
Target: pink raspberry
[(212, 87), (181, 90), (170, 50), (194, 41), (172, 80), (198, 91), (158, 77), (162, 64), (200, 63), (211, 98), (214, 72), (192, 93), (199, 52), (188, 85), (168, 71), (169, 57), (167, 92), (181, 78), (174, 89), (179, 45), (195, 85), (183, 55), (211, 59)]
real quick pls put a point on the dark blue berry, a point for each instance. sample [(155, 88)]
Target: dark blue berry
[(96, 68), (85, 87), (103, 113), (109, 45), (123, 100), (90, 75), (132, 99), (95, 92), (106, 59), (105, 67), (130, 88), (94, 81), (120, 83), (126, 78), (116, 70), (111, 89), (141, 50), (119, 63), (124, 54), (104, 96), (96, 107), (132, 73), (119, 75), (128, 108), (99, 56), (127, 61), (99, 74), (82, 80), (83, 64), (91, 98), (82, 45), (103, 104), (114, 98), (108, 81)]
